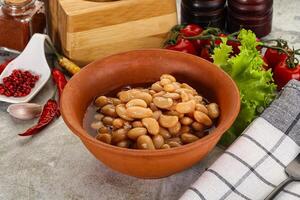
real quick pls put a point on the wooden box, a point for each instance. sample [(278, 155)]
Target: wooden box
[(86, 30)]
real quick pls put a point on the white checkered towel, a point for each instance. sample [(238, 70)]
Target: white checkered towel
[(254, 165)]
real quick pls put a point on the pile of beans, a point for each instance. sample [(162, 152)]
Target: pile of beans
[(166, 115)]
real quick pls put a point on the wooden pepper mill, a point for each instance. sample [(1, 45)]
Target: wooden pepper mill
[(255, 15), (204, 12)]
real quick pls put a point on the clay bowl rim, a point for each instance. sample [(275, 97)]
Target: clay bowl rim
[(78, 129)]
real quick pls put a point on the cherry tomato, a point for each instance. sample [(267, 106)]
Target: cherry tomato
[(206, 54), (183, 45), (218, 41), (191, 30), (283, 74), (198, 44), (273, 57), (235, 46)]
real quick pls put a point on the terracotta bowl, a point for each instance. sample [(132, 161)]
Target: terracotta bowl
[(146, 66)]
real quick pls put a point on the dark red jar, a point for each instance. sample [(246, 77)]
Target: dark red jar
[(204, 12), (255, 15), (19, 20)]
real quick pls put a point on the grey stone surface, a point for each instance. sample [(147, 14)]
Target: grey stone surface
[(55, 165)]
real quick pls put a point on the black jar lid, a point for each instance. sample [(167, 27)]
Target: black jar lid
[(250, 2), (206, 14), (204, 19), (216, 22), (260, 30), (203, 5), (240, 7), (250, 20)]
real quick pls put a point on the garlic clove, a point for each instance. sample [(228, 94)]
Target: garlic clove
[(24, 111)]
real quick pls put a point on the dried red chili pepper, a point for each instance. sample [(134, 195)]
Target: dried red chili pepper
[(3, 65), (60, 80), (49, 113)]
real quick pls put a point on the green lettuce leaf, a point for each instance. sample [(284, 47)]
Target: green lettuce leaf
[(256, 86)]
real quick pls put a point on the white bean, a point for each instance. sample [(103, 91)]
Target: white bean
[(188, 138), (126, 96), (136, 102), (168, 121), (175, 129), (165, 81), (101, 101), (151, 125), (172, 95), (122, 112), (168, 76), (145, 142), (97, 125), (213, 110), (156, 87), (202, 108), (202, 118), (136, 132), (162, 102), (186, 107), (169, 88), (139, 112)]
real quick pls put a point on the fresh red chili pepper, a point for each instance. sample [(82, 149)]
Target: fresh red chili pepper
[(206, 54), (183, 45), (283, 73), (49, 113), (60, 80), (3, 65), (191, 30), (273, 57)]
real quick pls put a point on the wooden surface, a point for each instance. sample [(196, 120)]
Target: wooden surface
[(87, 30)]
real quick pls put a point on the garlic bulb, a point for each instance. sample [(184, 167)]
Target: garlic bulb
[(24, 111)]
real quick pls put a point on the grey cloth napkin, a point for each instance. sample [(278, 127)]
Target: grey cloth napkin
[(254, 165)]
